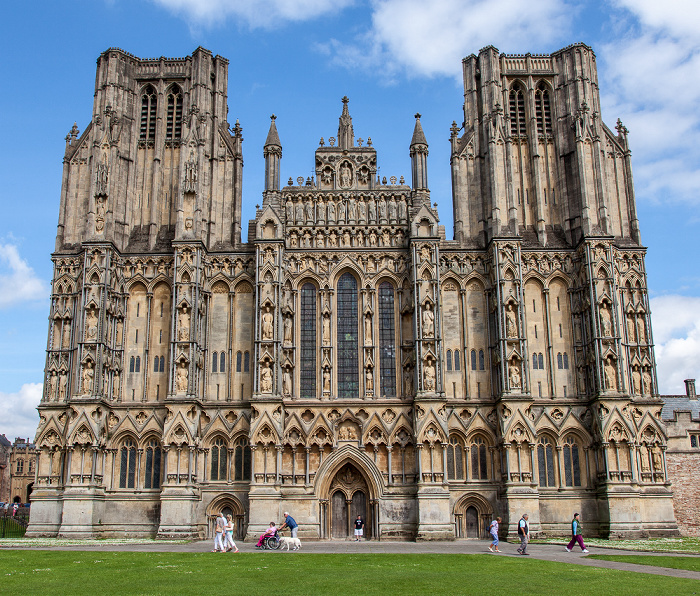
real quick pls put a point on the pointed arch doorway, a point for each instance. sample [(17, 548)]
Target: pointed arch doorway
[(349, 497), (228, 505)]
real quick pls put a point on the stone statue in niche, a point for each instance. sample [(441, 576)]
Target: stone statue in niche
[(53, 385), (352, 210), (287, 381), (636, 381), (326, 328), (368, 329), (309, 211), (392, 210), (514, 375), (62, 385), (184, 324), (346, 238), (360, 238), (656, 458), (331, 212), (429, 375), (605, 320), (511, 323), (361, 211), (289, 207), (333, 240), (300, 212), (345, 175), (646, 377), (408, 380), (641, 330), (386, 238), (266, 378), (371, 210), (428, 321), (326, 380), (369, 379), (631, 328), (644, 457), (115, 385), (66, 333), (382, 210), (117, 334), (321, 212), (288, 329), (425, 255), (610, 375), (182, 374), (91, 324), (88, 376), (267, 324)]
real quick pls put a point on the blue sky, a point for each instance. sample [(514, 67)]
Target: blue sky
[(296, 59)]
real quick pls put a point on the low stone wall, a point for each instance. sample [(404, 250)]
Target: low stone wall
[(684, 473)]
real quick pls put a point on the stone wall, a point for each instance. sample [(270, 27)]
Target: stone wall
[(682, 470)]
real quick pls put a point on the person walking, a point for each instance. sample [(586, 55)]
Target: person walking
[(493, 530), (219, 526), (576, 535), (229, 544), (290, 523), (524, 533), (359, 528)]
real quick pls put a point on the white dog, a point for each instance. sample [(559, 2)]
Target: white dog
[(295, 543)]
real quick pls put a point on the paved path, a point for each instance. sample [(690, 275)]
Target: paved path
[(547, 552)]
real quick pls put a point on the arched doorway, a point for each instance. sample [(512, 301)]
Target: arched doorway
[(349, 498), (471, 522), (228, 505), (472, 514)]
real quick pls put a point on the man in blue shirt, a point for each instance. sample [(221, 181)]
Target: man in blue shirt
[(290, 523), (523, 534)]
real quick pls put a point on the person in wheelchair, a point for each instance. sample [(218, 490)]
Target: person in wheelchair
[(271, 531)]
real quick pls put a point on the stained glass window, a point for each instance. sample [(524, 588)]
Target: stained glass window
[(348, 364), (387, 340), (572, 468), (307, 360), (127, 472), (545, 461), (219, 459), (153, 455)]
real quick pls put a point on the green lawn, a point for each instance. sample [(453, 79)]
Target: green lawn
[(105, 573), (688, 563), (660, 545)]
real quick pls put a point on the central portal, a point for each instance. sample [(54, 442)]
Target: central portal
[(349, 495)]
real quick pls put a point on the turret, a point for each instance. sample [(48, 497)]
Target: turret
[(419, 157), (346, 135), (273, 153)]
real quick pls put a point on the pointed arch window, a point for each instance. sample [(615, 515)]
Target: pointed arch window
[(387, 340), (307, 357), (222, 362), (239, 358), (127, 470), (132, 364), (545, 461), (458, 365), (479, 459), (455, 459), (481, 360), (137, 367), (449, 360), (473, 358), (246, 362), (214, 362), (517, 110), (543, 112), (162, 364), (219, 459), (242, 460), (153, 456), (572, 464), (149, 107), (173, 128), (348, 362)]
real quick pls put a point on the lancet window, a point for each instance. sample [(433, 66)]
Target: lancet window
[(307, 357), (572, 466), (545, 461), (149, 106), (517, 111), (153, 456), (219, 459), (173, 129), (543, 112), (127, 470), (387, 340), (348, 364)]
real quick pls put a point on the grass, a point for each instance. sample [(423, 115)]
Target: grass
[(171, 574), (655, 545), (39, 542), (687, 563)]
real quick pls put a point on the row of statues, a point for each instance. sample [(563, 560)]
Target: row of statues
[(347, 239), (353, 210)]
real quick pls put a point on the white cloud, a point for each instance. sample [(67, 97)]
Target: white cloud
[(19, 415), (676, 328), (431, 38), (18, 282), (255, 13)]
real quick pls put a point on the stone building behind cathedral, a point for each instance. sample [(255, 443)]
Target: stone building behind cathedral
[(348, 359)]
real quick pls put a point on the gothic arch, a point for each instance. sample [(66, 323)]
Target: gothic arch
[(334, 462)]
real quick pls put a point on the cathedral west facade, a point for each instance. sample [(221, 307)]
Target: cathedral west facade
[(349, 359)]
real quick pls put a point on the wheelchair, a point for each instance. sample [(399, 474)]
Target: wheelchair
[(272, 542)]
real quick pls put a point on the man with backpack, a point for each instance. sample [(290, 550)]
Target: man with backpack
[(524, 534)]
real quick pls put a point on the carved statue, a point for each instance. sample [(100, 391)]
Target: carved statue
[(631, 328), (91, 324), (321, 211), (326, 380), (66, 333), (402, 211), (368, 329), (326, 329), (115, 385), (352, 210), (514, 375), (346, 238), (287, 382), (267, 324), (382, 210), (408, 380), (88, 376), (369, 380), (636, 381), (266, 378), (644, 457), (656, 458), (290, 211), (428, 321), (62, 385), (53, 385), (345, 174), (309, 211), (429, 376), (288, 329), (117, 334), (360, 238), (641, 330), (371, 210), (610, 375), (605, 321), (184, 324), (300, 213), (182, 374), (361, 211), (392, 210), (646, 377), (331, 212), (511, 323)]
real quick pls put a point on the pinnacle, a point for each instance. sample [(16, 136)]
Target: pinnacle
[(273, 138), (418, 135)]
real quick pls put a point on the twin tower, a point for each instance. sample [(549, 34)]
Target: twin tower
[(348, 359)]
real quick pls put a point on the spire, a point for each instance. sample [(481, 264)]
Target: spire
[(346, 135), (273, 139), (418, 136)]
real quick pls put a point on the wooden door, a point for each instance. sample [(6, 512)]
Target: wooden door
[(339, 515), (471, 521), (359, 507)]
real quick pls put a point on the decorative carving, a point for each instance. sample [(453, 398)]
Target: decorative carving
[(87, 377), (182, 375), (428, 321), (610, 374), (266, 378), (605, 320), (511, 323), (429, 375), (267, 324), (514, 374)]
